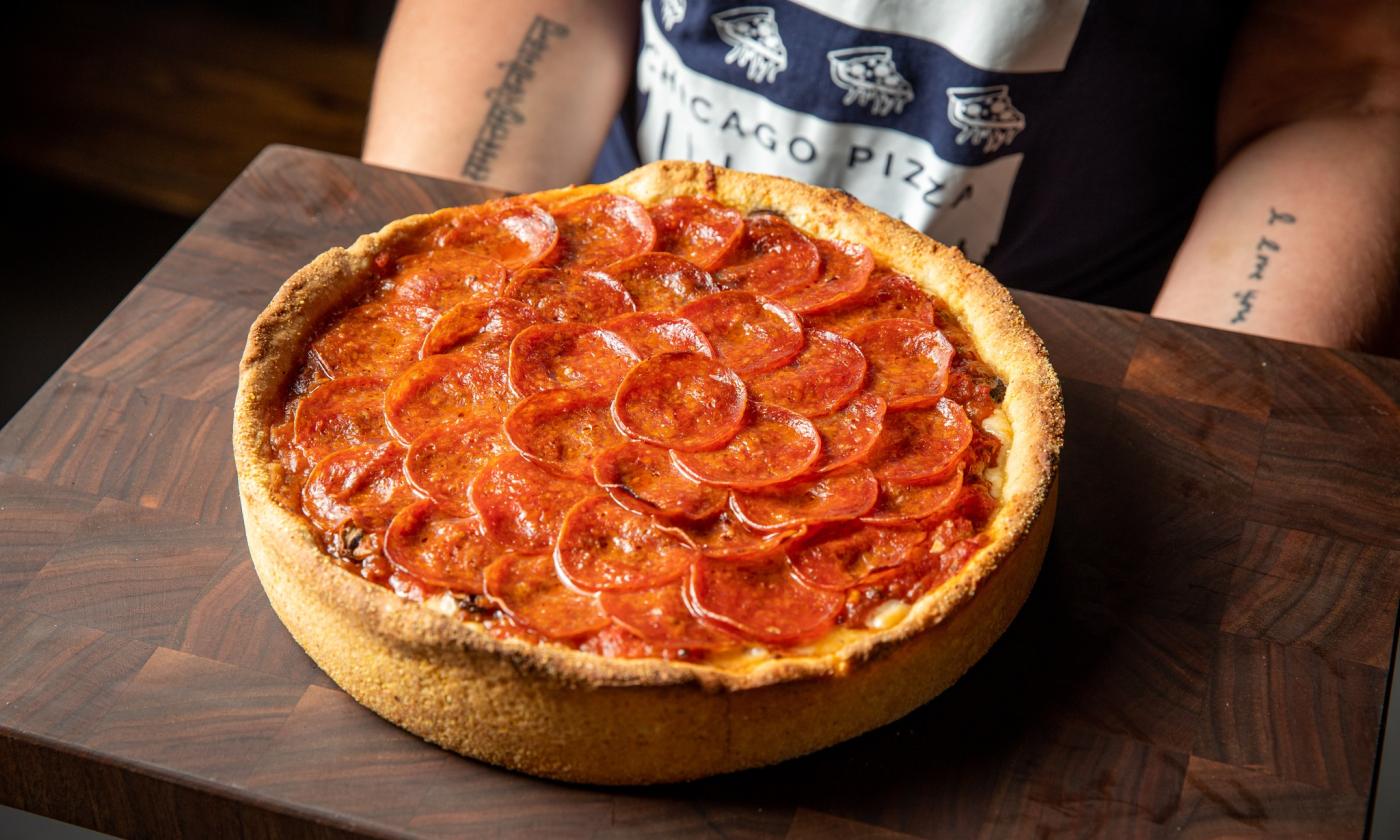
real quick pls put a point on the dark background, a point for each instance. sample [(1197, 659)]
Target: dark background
[(125, 120)]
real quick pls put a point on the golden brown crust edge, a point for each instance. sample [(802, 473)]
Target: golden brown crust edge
[(562, 713)]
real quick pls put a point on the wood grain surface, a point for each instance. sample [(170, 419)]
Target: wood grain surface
[(1205, 654)]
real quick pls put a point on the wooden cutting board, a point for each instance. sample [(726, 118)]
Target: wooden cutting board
[(1206, 651)]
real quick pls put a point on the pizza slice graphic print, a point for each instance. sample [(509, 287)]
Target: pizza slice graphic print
[(984, 116), (672, 13), (870, 79), (754, 43)]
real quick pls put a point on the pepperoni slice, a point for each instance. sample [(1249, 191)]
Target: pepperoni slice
[(522, 505), (724, 537), (889, 294), (442, 279), (484, 327), (921, 444), (603, 546), (439, 547), (513, 232), (362, 486), (340, 413), (929, 570), (651, 334), (773, 257), (602, 229), (442, 461), (562, 430), (831, 498), (765, 602), (849, 434), (562, 294), (659, 615), (685, 401), (548, 356), (909, 360), (776, 445), (376, 339), (526, 588), (702, 231), (661, 282), (900, 504), (822, 378), (845, 272), (438, 389), (643, 478), (839, 558), (751, 333)]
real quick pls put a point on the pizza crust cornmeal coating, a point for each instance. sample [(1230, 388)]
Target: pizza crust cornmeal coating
[(553, 711)]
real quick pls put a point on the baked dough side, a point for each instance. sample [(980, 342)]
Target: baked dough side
[(504, 711), (558, 712)]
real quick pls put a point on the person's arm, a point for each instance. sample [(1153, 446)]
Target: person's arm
[(556, 70), (1298, 236)]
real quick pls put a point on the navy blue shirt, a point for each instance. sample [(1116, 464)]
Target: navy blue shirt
[(1064, 145)]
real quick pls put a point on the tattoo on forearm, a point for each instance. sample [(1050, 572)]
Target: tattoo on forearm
[(1261, 259), (505, 97), (1244, 298), (1246, 302)]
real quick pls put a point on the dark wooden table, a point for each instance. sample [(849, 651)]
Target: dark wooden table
[(1205, 653)]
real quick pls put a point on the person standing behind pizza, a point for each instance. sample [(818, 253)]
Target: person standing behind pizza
[(1227, 166)]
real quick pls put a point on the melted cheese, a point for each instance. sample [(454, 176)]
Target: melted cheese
[(998, 427), (443, 602), (887, 615)]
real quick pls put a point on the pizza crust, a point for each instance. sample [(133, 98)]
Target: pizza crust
[(562, 713)]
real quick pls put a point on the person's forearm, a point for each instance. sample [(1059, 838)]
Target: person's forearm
[(518, 95), (1298, 237)]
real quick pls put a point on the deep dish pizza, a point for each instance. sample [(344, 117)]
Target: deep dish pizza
[(581, 481)]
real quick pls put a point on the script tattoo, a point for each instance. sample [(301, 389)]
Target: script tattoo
[(505, 97), (1244, 298)]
